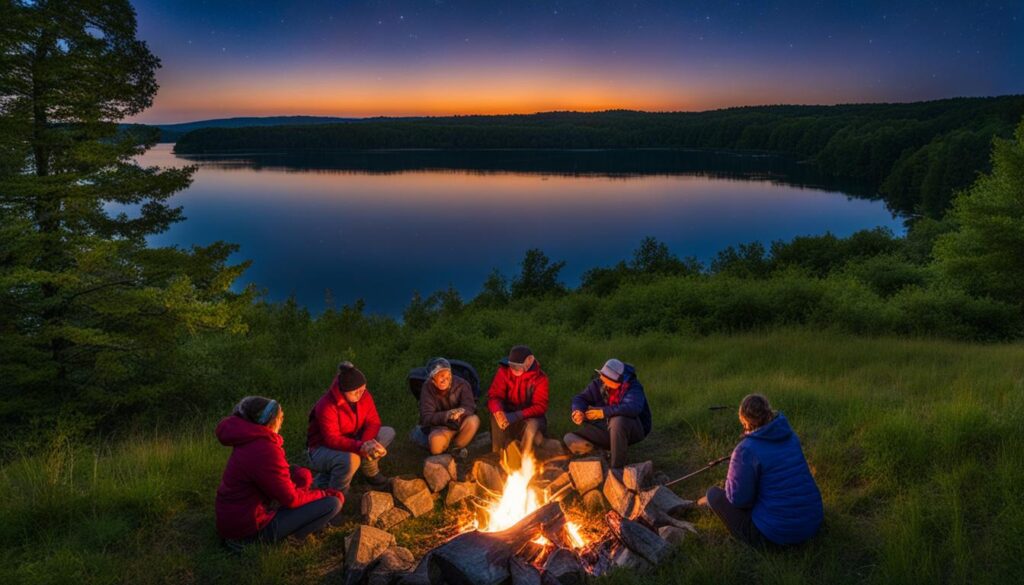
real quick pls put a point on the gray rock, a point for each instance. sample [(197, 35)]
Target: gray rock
[(393, 517), (664, 499), (364, 545), (459, 491), (394, 560), (374, 504), (637, 476), (672, 534), (562, 567), (619, 498), (414, 494), (587, 473), (551, 448), (624, 558), (556, 485), (438, 470), (488, 474), (523, 573)]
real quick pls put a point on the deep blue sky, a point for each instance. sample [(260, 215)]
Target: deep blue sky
[(359, 58)]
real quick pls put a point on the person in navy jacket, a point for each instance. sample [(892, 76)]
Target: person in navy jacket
[(770, 495), (613, 412)]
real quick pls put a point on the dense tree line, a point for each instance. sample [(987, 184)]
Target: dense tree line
[(916, 155)]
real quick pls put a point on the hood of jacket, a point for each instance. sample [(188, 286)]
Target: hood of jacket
[(234, 431)]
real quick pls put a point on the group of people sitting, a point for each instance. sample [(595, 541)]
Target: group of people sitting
[(770, 495)]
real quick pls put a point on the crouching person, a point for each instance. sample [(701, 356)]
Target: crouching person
[(448, 419), (613, 412), (257, 476), (345, 433), (770, 495), (518, 401)]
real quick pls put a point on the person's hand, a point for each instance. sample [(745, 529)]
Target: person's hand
[(702, 501), (594, 414), (379, 450), (456, 414), (369, 448), (577, 417), (501, 419), (334, 493)]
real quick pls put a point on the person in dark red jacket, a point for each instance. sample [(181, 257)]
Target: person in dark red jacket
[(518, 401), (260, 497), (345, 433)]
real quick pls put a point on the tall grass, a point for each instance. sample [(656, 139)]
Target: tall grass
[(914, 443)]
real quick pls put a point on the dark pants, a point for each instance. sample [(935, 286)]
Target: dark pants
[(737, 520), (302, 521), (616, 434), (528, 430)]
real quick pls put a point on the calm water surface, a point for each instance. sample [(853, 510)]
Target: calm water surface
[(378, 226)]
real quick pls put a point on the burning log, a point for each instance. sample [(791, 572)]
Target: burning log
[(483, 557), (638, 538)]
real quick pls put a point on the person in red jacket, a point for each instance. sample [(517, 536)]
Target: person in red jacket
[(345, 433), (260, 497), (518, 401)]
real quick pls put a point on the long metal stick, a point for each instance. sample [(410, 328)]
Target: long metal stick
[(699, 471)]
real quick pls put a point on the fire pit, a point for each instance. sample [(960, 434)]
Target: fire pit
[(517, 528)]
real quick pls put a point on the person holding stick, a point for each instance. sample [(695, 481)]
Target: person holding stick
[(770, 495), (612, 411)]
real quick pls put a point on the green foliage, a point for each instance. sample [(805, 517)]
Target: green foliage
[(538, 276), (91, 319), (985, 253), (652, 259)]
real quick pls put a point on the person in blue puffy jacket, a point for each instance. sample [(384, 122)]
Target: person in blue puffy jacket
[(770, 495)]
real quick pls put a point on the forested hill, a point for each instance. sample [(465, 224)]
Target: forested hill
[(917, 154), (173, 132)]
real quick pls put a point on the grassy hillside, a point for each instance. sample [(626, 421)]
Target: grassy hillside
[(915, 445)]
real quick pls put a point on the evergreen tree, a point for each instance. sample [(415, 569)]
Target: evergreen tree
[(90, 317), (538, 277), (985, 253)]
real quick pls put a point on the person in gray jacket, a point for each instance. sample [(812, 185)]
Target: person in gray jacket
[(448, 419)]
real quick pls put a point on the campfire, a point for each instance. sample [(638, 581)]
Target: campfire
[(526, 518)]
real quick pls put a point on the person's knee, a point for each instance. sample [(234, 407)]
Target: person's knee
[(349, 462), (617, 425), (385, 436), (472, 422), (715, 495), (333, 506), (438, 443)]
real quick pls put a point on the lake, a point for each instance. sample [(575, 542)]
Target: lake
[(379, 225)]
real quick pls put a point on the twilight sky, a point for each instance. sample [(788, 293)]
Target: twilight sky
[(225, 58)]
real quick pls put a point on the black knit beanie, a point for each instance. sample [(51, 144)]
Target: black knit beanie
[(519, 354), (349, 377)]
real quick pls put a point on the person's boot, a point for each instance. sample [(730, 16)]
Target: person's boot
[(379, 481)]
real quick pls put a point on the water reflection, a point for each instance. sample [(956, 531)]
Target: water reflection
[(379, 225)]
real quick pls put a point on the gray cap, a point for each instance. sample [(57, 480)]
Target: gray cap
[(613, 370), (436, 365)]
